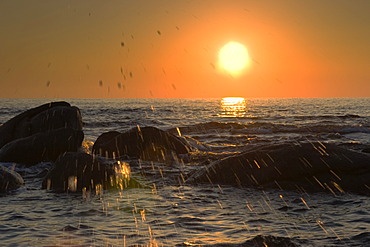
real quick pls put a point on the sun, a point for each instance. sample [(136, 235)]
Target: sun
[(233, 57)]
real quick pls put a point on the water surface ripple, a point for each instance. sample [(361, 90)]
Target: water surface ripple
[(165, 213)]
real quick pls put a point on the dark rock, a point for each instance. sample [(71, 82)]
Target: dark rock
[(43, 118), (9, 180), (103, 141), (306, 167), (43, 146), (41, 134), (56, 118), (76, 172), (147, 143)]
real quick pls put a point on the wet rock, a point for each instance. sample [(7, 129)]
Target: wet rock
[(9, 180), (43, 118), (304, 167), (147, 143), (79, 172), (103, 141), (41, 133), (43, 146)]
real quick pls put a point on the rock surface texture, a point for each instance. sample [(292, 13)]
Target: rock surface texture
[(147, 143), (305, 167), (41, 134), (78, 172)]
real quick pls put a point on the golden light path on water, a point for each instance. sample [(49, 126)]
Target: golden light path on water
[(233, 106)]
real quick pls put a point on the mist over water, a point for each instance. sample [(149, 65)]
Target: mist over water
[(168, 212)]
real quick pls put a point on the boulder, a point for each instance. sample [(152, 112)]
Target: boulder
[(41, 133), (147, 143), (9, 180), (304, 167), (43, 146), (78, 172), (43, 118), (102, 141), (55, 118)]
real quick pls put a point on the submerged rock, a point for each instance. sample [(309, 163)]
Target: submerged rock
[(43, 146), (305, 167), (260, 240), (147, 143), (43, 118), (9, 180), (78, 172)]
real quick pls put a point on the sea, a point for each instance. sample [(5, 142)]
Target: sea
[(167, 212)]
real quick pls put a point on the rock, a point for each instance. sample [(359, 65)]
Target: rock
[(55, 118), (41, 134), (304, 167), (43, 146), (103, 141), (43, 118), (9, 180), (78, 172), (147, 143)]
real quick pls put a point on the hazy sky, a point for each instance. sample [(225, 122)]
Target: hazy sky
[(167, 48)]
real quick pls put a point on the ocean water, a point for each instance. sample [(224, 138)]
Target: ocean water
[(167, 212)]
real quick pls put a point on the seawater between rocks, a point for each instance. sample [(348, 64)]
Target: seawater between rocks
[(166, 213)]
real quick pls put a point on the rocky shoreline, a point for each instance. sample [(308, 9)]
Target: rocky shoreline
[(53, 132)]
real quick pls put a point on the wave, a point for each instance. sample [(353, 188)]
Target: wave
[(123, 123), (348, 130), (96, 124), (315, 117), (267, 128), (363, 237)]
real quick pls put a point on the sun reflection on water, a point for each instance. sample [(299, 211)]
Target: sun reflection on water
[(233, 107)]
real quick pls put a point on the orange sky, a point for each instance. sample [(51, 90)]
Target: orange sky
[(168, 49)]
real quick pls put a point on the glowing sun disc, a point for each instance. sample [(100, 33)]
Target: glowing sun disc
[(233, 57)]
